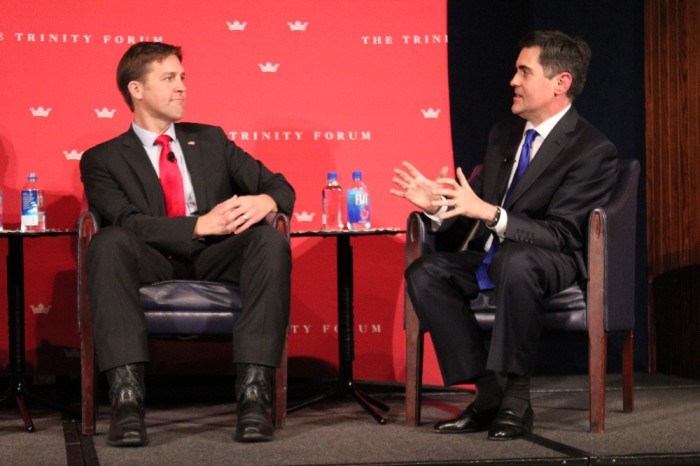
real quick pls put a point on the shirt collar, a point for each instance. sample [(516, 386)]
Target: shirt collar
[(546, 127), (148, 138)]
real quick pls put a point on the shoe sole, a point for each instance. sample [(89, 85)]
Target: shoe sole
[(128, 443), (466, 431), (253, 438)]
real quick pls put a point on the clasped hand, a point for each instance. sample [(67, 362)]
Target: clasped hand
[(234, 215)]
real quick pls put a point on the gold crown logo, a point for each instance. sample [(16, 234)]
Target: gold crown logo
[(236, 26), (305, 216), (105, 112), (73, 155), (268, 67), (298, 26), (40, 308), (40, 112), (430, 113)]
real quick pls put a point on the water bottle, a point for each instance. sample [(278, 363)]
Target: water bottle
[(358, 204), (332, 204), (32, 209)]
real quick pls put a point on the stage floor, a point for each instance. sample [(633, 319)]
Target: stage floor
[(194, 426)]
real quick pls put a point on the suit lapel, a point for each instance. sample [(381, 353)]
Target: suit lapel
[(500, 183), (135, 155), (191, 149), (547, 153)]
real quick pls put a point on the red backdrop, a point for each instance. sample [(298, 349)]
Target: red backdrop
[(306, 86)]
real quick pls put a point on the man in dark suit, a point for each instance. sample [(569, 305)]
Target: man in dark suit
[(542, 174), (203, 223)]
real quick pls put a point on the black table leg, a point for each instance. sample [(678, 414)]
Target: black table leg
[(15, 318), (346, 342), (346, 331)]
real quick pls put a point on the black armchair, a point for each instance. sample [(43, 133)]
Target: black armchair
[(605, 306), (177, 308)]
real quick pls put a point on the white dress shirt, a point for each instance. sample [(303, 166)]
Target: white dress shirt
[(148, 139)]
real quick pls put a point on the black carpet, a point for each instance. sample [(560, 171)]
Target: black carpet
[(189, 424)]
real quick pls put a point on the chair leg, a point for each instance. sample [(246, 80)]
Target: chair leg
[(597, 363), (87, 226), (87, 383), (414, 365), (628, 371), (280, 390)]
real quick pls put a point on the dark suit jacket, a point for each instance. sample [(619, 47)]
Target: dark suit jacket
[(572, 173), (122, 185)]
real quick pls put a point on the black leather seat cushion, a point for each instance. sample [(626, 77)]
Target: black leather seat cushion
[(566, 310), (176, 307)]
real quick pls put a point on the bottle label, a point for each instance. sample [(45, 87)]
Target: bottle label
[(30, 208), (358, 206)]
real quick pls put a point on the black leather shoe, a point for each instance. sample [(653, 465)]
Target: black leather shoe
[(126, 395), (470, 420), (509, 425), (254, 408)]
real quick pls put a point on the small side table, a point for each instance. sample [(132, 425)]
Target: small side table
[(346, 342), (15, 314)]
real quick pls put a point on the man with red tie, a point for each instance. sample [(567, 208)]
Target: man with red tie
[(544, 170), (181, 201)]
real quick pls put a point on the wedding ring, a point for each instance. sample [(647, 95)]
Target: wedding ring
[(245, 219)]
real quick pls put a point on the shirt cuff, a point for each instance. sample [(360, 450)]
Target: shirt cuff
[(500, 227), (435, 220)]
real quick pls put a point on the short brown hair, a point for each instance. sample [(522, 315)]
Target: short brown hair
[(560, 53), (136, 61)]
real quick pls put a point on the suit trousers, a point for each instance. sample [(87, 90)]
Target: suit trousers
[(259, 259), (441, 285)]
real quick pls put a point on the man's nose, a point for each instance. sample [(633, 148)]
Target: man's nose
[(514, 80)]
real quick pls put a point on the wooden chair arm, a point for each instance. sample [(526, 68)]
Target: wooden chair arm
[(279, 221)]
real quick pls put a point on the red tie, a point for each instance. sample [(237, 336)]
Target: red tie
[(170, 179)]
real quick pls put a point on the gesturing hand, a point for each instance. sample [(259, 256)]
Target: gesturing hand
[(416, 188), (463, 200)]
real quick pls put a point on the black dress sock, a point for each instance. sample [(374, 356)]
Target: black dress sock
[(489, 393), (517, 394)]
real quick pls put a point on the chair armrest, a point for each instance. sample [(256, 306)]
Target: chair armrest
[(612, 249), (279, 222), (421, 239), (87, 226), (416, 238)]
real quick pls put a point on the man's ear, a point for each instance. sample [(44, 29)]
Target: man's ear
[(136, 90), (563, 83)]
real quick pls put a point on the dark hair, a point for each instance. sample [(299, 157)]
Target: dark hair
[(560, 53), (136, 62)]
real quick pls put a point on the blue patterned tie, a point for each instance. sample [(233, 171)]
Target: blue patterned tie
[(482, 275)]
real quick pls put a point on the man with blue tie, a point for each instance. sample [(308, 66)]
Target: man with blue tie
[(544, 170)]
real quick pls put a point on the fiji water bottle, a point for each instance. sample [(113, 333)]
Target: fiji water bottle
[(32, 208), (332, 204), (358, 204)]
